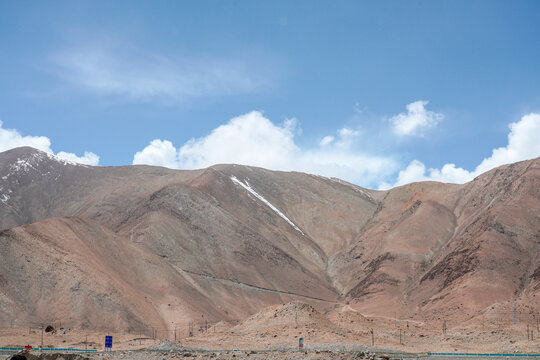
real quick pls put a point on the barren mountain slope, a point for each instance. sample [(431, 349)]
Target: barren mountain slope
[(240, 251), (230, 240), (439, 250), (75, 271)]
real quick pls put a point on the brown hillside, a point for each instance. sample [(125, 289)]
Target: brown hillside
[(139, 246)]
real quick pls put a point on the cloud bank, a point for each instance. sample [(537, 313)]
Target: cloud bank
[(11, 138), (416, 120), (252, 139), (523, 144)]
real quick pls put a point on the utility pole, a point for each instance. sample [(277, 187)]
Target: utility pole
[(514, 312), (400, 343), (86, 343), (372, 338), (42, 329), (482, 321)]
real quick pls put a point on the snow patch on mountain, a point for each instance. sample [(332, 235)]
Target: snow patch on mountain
[(4, 198), (21, 164), (266, 202), (58, 159), (31, 162)]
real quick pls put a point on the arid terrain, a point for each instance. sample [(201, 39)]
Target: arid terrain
[(248, 258), (274, 332)]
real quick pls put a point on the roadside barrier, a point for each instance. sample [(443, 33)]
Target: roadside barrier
[(479, 354), (45, 349)]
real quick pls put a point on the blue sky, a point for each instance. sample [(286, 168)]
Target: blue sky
[(379, 93)]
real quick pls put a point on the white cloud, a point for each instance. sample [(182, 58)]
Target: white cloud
[(89, 158), (523, 144), (346, 132), (11, 138), (346, 138), (416, 120), (158, 153), (326, 140), (248, 139), (252, 139), (141, 76)]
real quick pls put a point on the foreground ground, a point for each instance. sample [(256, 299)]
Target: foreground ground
[(198, 355), (278, 329)]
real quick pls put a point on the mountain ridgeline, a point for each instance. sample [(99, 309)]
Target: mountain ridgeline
[(130, 247)]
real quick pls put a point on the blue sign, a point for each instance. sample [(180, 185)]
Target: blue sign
[(108, 341)]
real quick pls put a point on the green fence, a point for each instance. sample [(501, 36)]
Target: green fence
[(45, 349), (480, 354)]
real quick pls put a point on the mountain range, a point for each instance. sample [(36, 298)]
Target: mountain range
[(140, 247)]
